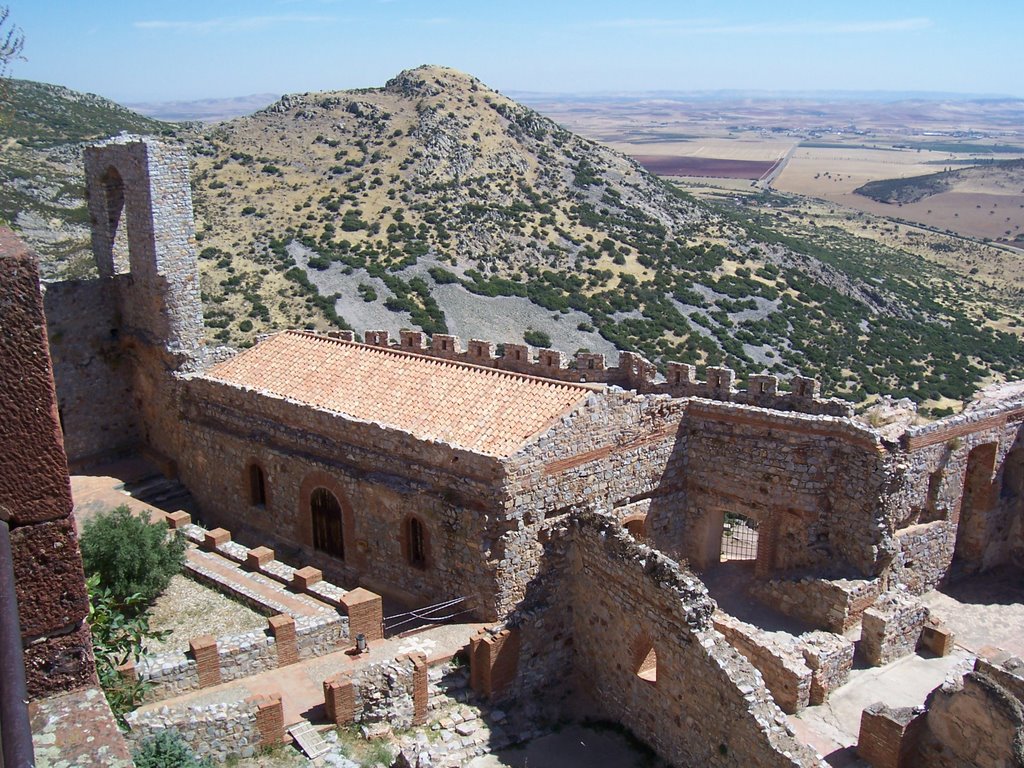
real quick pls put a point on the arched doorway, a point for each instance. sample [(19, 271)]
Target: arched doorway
[(328, 527), (976, 505)]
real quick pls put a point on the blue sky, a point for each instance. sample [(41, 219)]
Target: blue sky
[(151, 51)]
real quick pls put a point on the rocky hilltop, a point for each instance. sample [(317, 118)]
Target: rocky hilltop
[(437, 203)]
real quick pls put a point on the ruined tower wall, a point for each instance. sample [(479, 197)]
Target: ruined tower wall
[(141, 320), (695, 700), (92, 371), (817, 486), (35, 493), (962, 499), (379, 476)]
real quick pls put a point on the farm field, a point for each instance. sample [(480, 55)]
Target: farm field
[(827, 150)]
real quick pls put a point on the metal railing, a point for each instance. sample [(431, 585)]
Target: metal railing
[(426, 615), (15, 729)]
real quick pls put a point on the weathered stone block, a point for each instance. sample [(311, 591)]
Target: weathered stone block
[(365, 614), (888, 737), (60, 663), (33, 469), (938, 639), (204, 651), (215, 538), (178, 519), (48, 576)]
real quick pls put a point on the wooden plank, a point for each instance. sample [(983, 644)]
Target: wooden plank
[(309, 740)]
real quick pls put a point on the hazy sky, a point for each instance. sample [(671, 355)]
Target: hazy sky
[(144, 51)]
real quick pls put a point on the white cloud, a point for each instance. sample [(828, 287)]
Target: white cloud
[(231, 24), (713, 27)]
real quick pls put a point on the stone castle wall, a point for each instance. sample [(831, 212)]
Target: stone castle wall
[(699, 702), (35, 492), (92, 369), (633, 372), (379, 475)]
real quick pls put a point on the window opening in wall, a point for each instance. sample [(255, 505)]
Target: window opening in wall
[(325, 510), (416, 550), (117, 220), (635, 528), (648, 668), (932, 512), (257, 486), (739, 538)]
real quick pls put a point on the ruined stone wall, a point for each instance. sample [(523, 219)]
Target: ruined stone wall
[(816, 485), (35, 493), (612, 452), (379, 476), (91, 368), (699, 702), (835, 605), (975, 720), (967, 472)]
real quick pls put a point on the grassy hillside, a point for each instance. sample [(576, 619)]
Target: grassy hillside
[(436, 202), (419, 198), (41, 185)]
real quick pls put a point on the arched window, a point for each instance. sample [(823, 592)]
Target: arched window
[(327, 523), (117, 221), (645, 660), (415, 543), (257, 486)]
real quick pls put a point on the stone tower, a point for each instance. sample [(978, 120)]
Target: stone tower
[(140, 209)]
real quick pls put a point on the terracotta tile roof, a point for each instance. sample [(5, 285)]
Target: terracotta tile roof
[(480, 409)]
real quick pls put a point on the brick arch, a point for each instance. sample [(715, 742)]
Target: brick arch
[(310, 483)]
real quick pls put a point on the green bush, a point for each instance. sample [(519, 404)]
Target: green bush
[(119, 634), (537, 338), (167, 750), (130, 554)]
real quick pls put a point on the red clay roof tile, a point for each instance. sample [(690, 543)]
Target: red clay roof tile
[(480, 409)]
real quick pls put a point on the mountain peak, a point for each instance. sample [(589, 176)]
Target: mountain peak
[(430, 80)]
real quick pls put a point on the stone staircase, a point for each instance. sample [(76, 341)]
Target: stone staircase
[(161, 492)]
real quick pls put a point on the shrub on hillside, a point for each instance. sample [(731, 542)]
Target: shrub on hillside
[(537, 338), (130, 554)]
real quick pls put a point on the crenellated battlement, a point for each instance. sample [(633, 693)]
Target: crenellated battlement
[(633, 371)]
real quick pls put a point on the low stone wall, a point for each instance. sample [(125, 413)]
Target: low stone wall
[(216, 731), (646, 655), (835, 605), (286, 639), (830, 658), (394, 691), (798, 670), (779, 661), (892, 627), (925, 552)]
